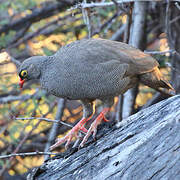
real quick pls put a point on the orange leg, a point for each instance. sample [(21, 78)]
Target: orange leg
[(73, 133), (94, 125)]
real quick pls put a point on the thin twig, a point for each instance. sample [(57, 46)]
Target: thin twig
[(45, 119), (103, 4), (160, 52), (167, 25), (12, 98), (41, 30), (7, 73), (173, 68), (116, 36), (174, 20), (107, 23), (8, 162), (47, 9), (27, 154), (177, 5), (87, 20)]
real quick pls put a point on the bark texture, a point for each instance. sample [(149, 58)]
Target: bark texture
[(144, 146)]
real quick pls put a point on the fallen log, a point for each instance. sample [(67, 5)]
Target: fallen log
[(144, 146)]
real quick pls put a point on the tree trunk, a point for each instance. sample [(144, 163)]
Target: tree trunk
[(147, 146), (137, 40), (174, 33)]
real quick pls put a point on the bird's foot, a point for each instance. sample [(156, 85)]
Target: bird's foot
[(94, 125), (73, 133)]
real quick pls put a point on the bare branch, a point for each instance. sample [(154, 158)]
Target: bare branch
[(167, 25), (19, 34), (48, 9), (11, 98), (160, 52), (173, 68), (104, 4), (107, 24), (175, 19), (54, 128), (177, 5), (27, 154), (41, 30), (87, 20), (118, 33), (45, 119), (7, 165)]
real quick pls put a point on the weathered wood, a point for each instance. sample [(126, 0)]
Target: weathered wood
[(147, 146)]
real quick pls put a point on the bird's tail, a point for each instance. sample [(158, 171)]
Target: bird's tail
[(154, 79)]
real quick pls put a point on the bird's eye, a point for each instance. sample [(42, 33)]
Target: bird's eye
[(24, 73)]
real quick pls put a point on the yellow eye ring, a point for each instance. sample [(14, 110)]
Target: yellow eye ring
[(24, 73)]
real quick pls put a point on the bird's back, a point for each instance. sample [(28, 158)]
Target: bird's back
[(94, 51)]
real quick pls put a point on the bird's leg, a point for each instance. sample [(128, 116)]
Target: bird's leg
[(107, 103), (88, 112), (94, 125)]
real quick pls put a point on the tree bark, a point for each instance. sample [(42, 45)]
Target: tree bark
[(145, 146)]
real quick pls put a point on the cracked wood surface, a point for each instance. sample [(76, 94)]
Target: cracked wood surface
[(147, 146)]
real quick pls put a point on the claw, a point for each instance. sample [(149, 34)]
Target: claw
[(68, 142), (59, 141), (80, 126), (94, 125), (104, 119), (73, 133), (94, 133)]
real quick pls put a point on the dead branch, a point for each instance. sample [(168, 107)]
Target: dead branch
[(107, 23), (167, 25), (11, 98), (177, 5), (87, 19), (45, 119), (27, 154), (54, 128), (171, 51), (37, 14), (103, 4), (41, 30)]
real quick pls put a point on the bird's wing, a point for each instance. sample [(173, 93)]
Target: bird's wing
[(97, 80), (95, 51)]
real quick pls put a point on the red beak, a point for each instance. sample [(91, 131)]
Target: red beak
[(21, 82)]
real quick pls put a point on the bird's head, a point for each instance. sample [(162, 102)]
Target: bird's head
[(30, 69)]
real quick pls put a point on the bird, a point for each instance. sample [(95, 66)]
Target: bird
[(91, 69)]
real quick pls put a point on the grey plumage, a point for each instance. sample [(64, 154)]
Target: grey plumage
[(91, 69), (94, 69)]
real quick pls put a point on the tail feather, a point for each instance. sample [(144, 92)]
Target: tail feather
[(165, 84), (154, 79)]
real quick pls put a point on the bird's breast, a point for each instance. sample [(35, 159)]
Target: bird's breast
[(79, 81)]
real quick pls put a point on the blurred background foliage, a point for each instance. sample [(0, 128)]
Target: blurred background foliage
[(31, 27)]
